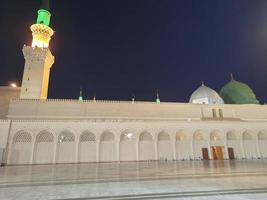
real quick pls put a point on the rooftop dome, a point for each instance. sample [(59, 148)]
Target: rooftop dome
[(205, 95), (236, 92)]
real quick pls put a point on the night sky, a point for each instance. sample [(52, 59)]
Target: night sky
[(116, 48)]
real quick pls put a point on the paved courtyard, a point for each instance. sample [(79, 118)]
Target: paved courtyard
[(144, 180)]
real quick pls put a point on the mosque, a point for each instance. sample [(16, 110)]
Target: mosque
[(231, 124)]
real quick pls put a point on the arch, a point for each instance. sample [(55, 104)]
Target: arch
[(21, 148), (66, 136), (87, 136), (182, 146), (127, 146), (163, 136), (198, 136), (231, 135), (22, 137), (180, 136), (44, 136), (262, 135), (250, 147), (215, 136), (66, 147), (262, 139), (107, 136), (108, 147), (145, 136), (44, 148), (164, 146), (146, 146), (87, 147), (247, 135)]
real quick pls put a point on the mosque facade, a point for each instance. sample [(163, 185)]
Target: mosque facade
[(36, 130)]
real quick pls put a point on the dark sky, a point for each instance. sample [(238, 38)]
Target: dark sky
[(116, 48)]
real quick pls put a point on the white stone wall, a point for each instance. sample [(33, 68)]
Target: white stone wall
[(4, 130), (6, 94), (76, 141)]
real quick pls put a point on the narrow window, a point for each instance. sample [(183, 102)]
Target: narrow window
[(220, 113), (214, 115)]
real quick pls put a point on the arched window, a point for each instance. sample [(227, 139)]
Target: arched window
[(198, 136), (247, 135), (107, 136), (231, 136), (87, 136), (262, 135), (145, 136), (44, 136), (66, 136), (22, 136), (127, 136), (214, 136), (163, 136), (180, 136)]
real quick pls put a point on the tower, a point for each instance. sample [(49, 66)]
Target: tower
[(38, 57)]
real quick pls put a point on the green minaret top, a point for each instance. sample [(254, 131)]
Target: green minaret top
[(43, 13), (158, 99)]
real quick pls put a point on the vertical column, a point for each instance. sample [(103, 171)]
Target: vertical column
[(226, 150), (56, 151), (156, 148), (97, 150), (258, 148), (118, 150), (137, 149), (209, 150), (77, 151), (174, 149), (242, 149), (32, 153), (192, 155)]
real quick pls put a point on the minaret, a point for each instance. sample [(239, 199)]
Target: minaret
[(38, 57)]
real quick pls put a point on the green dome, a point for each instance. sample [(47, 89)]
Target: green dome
[(236, 92)]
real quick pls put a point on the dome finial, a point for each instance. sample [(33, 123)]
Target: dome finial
[(81, 95), (133, 100), (158, 99), (232, 76), (202, 83)]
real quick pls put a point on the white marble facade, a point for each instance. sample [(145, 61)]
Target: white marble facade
[(37, 137)]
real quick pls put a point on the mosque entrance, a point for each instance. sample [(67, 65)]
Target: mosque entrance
[(217, 152), (231, 153)]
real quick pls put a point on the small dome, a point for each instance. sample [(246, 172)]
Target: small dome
[(236, 92), (205, 95)]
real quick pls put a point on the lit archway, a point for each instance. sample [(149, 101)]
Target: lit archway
[(127, 146), (146, 146), (200, 146), (108, 147), (164, 146), (249, 144), (66, 147), (21, 149), (44, 148), (87, 147), (182, 146), (234, 145)]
